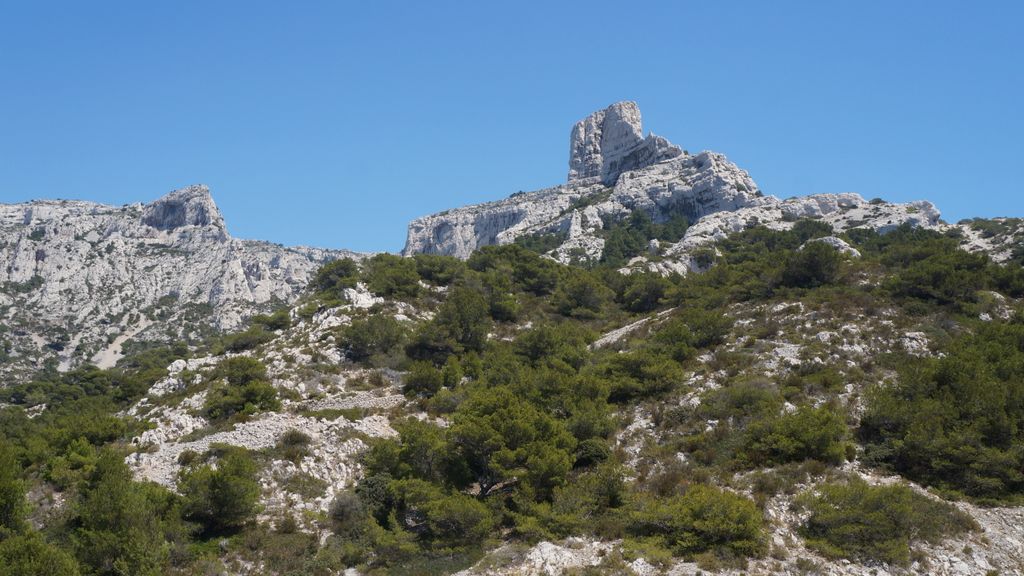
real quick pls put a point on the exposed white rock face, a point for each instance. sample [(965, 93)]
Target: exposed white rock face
[(78, 279), (692, 185), (841, 211), (610, 142), (838, 243), (614, 171)]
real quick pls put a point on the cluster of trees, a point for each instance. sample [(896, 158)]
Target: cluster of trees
[(528, 447)]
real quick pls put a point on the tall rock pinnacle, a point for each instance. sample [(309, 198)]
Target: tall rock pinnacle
[(610, 142)]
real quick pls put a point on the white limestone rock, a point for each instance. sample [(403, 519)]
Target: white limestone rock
[(79, 280), (839, 244), (610, 142), (613, 171)]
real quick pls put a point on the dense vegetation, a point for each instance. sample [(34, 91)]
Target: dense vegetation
[(532, 411)]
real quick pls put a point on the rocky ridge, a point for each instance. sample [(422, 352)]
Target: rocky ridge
[(79, 279), (614, 171)]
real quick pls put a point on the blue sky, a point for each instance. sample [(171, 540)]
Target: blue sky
[(334, 123)]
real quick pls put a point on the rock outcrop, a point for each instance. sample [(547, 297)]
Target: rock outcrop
[(615, 171), (79, 279), (610, 142)]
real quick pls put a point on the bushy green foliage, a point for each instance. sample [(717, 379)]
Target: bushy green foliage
[(335, 276), (31, 555), (629, 237), (814, 265), (13, 506), (376, 334), (805, 434), (956, 422), (390, 275), (279, 320), (422, 379), (688, 331), (855, 520), (464, 318), (245, 389), (542, 243), (121, 526), (645, 292), (581, 295), (439, 270), (639, 374), (222, 498), (247, 339), (528, 270), (701, 519), (753, 431)]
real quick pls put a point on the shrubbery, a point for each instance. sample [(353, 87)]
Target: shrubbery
[(862, 522), (245, 389), (222, 498), (702, 519), (955, 422)]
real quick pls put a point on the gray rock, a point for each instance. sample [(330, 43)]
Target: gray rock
[(610, 142), (79, 280)]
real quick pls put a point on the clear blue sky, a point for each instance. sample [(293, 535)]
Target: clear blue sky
[(334, 123)]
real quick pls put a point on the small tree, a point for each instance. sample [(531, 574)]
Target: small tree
[(224, 498)]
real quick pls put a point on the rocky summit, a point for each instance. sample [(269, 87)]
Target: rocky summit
[(78, 280), (615, 172)]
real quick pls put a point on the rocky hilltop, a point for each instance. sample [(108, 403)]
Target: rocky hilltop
[(79, 279), (614, 172)]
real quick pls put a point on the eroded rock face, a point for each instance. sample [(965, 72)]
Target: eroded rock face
[(192, 206), (610, 142), (78, 280), (613, 170)]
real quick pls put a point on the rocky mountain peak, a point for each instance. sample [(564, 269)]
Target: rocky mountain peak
[(190, 206), (610, 142)]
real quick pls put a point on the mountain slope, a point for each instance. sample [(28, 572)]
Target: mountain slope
[(80, 279)]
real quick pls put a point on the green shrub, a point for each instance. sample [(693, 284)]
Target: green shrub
[(121, 526), (864, 523), (816, 264), (376, 334), (390, 275), (439, 270), (224, 498), (246, 389), (332, 278), (293, 445), (247, 340), (954, 422), (805, 434), (464, 318), (702, 519), (581, 295), (448, 518), (13, 506), (645, 292), (639, 374), (279, 320), (31, 555), (423, 379)]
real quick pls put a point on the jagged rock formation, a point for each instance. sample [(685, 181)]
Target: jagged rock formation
[(614, 171), (610, 142), (78, 279)]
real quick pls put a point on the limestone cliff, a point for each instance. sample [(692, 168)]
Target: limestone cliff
[(614, 171), (79, 279)]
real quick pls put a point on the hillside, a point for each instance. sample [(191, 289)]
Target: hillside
[(652, 369), (80, 280)]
